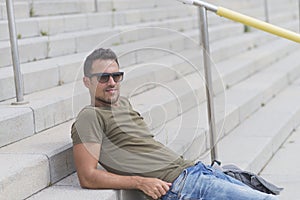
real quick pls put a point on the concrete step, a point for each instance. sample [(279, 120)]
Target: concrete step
[(283, 168), (45, 8), (120, 5), (52, 45), (46, 109), (236, 4), (261, 38), (263, 133), (64, 69), (67, 7), (232, 108), (80, 41), (282, 6), (246, 64), (70, 189), (257, 9), (282, 18), (14, 165), (50, 25), (191, 129), (21, 10), (127, 17)]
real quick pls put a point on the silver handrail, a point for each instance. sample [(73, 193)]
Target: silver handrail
[(266, 6), (15, 54), (208, 84), (96, 5), (299, 14)]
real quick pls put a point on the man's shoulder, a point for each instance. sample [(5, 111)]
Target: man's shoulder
[(89, 114), (87, 110), (124, 101)]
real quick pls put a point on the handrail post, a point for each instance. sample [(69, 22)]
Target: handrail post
[(15, 53), (299, 14), (266, 11), (96, 5), (208, 81)]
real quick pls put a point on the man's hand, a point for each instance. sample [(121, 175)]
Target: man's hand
[(153, 187)]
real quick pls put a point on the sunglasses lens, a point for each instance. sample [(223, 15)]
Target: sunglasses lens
[(103, 78), (117, 77)]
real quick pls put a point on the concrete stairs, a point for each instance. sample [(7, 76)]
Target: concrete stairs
[(254, 75)]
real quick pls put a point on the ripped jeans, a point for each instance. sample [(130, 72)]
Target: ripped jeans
[(201, 182)]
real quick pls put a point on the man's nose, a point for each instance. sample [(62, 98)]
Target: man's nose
[(111, 81)]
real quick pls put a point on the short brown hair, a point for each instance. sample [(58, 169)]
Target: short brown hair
[(101, 54)]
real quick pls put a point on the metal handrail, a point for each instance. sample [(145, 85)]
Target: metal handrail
[(235, 16), (266, 6), (96, 5), (15, 54), (209, 86), (299, 14), (244, 19)]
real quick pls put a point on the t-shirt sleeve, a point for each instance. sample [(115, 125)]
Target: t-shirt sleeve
[(88, 127)]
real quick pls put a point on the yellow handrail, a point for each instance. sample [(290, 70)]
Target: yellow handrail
[(235, 16), (244, 19)]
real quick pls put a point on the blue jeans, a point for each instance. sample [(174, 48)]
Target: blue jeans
[(202, 182)]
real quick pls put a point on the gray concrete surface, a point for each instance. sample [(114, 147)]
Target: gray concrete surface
[(284, 168)]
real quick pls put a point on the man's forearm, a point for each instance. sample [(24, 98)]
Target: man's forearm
[(100, 179)]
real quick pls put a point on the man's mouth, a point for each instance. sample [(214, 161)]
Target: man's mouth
[(111, 90)]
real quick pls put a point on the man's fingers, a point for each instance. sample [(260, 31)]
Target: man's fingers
[(166, 186), (155, 187), (154, 196), (162, 191), (159, 190), (163, 188), (157, 193)]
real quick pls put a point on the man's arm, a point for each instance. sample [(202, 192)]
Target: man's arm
[(86, 160)]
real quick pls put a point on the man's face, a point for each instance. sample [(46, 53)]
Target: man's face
[(106, 93)]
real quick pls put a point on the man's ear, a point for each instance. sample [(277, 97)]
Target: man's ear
[(87, 82)]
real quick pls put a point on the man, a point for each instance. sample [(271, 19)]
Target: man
[(110, 132)]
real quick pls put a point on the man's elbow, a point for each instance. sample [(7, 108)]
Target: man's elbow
[(84, 184), (86, 181)]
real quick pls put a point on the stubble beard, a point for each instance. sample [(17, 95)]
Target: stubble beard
[(110, 101)]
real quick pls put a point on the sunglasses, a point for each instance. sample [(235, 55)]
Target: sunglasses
[(104, 77)]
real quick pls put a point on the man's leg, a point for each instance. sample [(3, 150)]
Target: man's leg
[(209, 187), (201, 182)]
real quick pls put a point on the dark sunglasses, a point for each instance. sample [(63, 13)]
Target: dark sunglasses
[(104, 77)]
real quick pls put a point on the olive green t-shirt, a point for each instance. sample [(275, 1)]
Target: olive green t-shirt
[(127, 145)]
